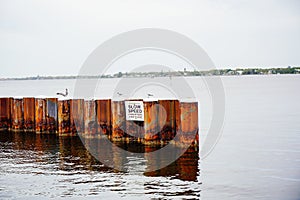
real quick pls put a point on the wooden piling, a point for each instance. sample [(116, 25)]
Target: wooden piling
[(118, 120), (90, 121), (103, 112), (29, 114), (40, 115), (17, 115), (46, 117), (189, 123), (163, 119), (167, 112), (64, 117), (52, 115), (151, 127), (177, 121), (5, 113), (77, 116)]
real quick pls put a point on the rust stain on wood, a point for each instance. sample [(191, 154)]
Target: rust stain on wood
[(64, 117), (5, 113), (118, 120), (189, 123), (167, 112), (17, 114), (90, 121), (52, 115), (29, 114), (151, 123), (77, 116), (104, 116), (40, 115)]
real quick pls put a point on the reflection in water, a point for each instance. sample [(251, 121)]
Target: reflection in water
[(78, 173), (184, 168)]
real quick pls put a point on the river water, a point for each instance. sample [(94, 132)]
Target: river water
[(256, 157)]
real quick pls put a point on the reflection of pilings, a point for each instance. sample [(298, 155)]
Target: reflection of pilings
[(167, 112), (118, 120), (188, 163), (104, 116), (40, 115), (64, 117), (52, 115), (5, 114), (134, 129), (76, 116), (90, 122), (29, 114), (184, 168), (189, 123), (17, 115), (151, 121)]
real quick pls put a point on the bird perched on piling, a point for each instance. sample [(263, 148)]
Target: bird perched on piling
[(63, 94), (150, 95)]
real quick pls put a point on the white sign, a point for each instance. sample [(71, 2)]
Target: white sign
[(134, 110)]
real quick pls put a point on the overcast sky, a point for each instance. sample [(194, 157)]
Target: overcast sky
[(55, 37)]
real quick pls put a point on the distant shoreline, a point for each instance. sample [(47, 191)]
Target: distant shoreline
[(184, 73)]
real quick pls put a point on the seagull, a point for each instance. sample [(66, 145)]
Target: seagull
[(150, 95), (120, 94), (62, 94)]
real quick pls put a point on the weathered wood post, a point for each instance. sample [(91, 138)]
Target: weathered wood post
[(118, 120), (90, 121), (148, 122), (151, 127), (52, 115), (17, 115), (103, 112), (29, 114), (40, 115), (189, 123), (5, 113), (167, 112), (64, 117), (77, 116)]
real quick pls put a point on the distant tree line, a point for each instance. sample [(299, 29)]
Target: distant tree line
[(214, 72)]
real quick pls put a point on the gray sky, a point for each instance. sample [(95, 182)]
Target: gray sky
[(55, 37)]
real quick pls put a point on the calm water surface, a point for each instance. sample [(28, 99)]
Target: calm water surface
[(35, 166), (257, 156)]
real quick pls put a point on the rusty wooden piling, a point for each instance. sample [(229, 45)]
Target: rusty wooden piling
[(52, 115), (167, 113), (151, 128), (90, 121), (17, 115), (29, 114), (5, 113), (40, 115), (103, 111), (189, 123), (64, 117), (46, 115), (118, 120), (162, 119), (77, 116)]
